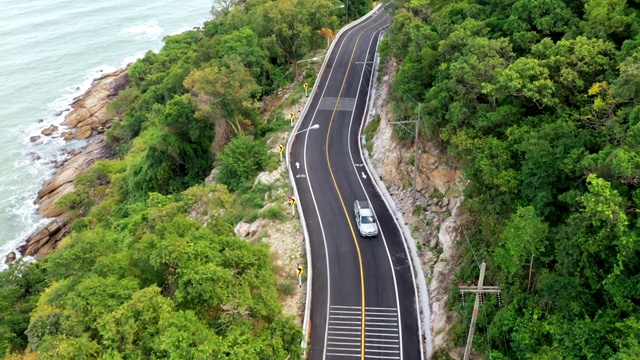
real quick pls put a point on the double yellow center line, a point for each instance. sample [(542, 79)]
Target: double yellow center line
[(335, 184)]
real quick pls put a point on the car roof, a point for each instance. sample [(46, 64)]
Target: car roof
[(366, 212)]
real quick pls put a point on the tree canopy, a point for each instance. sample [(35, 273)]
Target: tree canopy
[(537, 100), (152, 268)]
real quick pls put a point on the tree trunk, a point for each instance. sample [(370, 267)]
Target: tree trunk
[(530, 271)]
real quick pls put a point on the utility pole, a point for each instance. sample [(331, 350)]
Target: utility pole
[(479, 291), (416, 159)]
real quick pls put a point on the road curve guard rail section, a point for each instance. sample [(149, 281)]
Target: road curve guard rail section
[(307, 309), (410, 243)]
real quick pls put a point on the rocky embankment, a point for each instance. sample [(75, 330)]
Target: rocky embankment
[(435, 220), (88, 118)]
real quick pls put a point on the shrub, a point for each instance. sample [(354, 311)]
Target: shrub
[(273, 212), (240, 161)]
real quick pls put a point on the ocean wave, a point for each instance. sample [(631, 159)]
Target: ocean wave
[(36, 100), (151, 30)]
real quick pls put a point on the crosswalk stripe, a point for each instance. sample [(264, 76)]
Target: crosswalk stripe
[(381, 338)]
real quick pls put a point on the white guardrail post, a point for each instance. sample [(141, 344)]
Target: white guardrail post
[(307, 308)]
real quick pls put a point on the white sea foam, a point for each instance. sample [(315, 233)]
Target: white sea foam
[(151, 30), (131, 59), (37, 67)]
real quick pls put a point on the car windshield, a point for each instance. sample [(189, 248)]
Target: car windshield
[(367, 219)]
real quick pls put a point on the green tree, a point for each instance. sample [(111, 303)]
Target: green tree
[(609, 18), (173, 154), (523, 238)]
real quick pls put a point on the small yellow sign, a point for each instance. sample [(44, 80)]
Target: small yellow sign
[(299, 270), (281, 148), (292, 115), (306, 86)]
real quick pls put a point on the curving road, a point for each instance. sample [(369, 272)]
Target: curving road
[(364, 301)]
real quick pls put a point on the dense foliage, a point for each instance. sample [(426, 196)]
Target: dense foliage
[(152, 268), (538, 99)]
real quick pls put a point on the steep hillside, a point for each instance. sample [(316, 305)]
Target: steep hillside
[(537, 102), (152, 267)]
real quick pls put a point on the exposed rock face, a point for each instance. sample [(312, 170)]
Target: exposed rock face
[(245, 230), (269, 177), (242, 229), (62, 181), (434, 219), (46, 238), (88, 112), (88, 115)]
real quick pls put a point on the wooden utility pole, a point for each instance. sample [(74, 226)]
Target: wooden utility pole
[(416, 157), (474, 316)]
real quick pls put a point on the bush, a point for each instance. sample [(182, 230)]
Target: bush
[(285, 288), (273, 212), (254, 198), (240, 161), (252, 216)]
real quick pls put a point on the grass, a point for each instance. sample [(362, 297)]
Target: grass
[(370, 131), (251, 216), (418, 210), (273, 212), (286, 288), (436, 194)]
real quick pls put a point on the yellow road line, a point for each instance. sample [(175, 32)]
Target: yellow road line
[(335, 184)]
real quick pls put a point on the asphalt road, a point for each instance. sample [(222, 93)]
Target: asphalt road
[(364, 302)]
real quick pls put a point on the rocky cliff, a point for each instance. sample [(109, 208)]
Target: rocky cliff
[(435, 220), (88, 118)]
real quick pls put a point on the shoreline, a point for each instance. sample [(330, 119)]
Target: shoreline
[(87, 120)]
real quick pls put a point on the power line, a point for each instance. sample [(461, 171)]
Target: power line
[(471, 247)]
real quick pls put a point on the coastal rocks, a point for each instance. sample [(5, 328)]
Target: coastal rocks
[(88, 114), (67, 135), (89, 111), (62, 181), (46, 238), (84, 132), (34, 156), (10, 258), (49, 130)]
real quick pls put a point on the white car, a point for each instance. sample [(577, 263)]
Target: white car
[(365, 219)]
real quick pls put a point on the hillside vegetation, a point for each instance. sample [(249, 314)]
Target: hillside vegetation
[(152, 268), (539, 102)]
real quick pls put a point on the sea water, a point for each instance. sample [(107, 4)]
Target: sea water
[(50, 51)]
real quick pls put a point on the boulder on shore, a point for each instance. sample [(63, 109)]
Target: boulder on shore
[(10, 258), (49, 130), (66, 135)]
